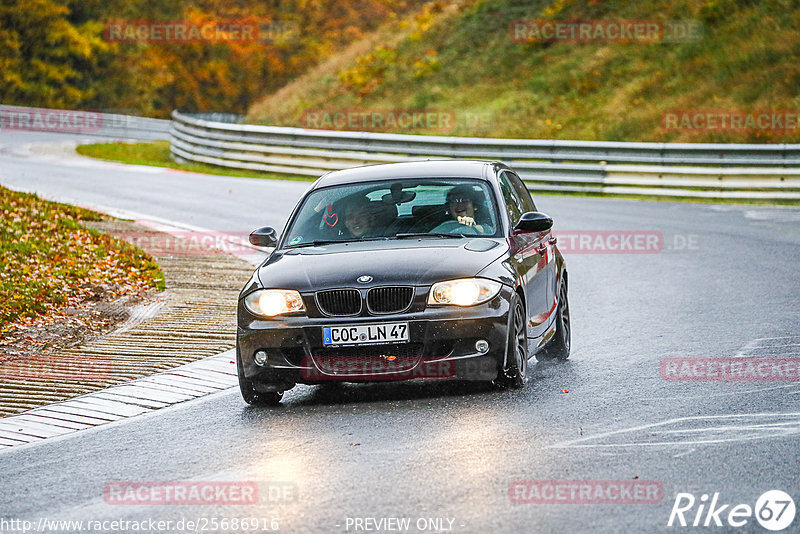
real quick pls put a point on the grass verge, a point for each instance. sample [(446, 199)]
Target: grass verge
[(157, 154), (51, 261)]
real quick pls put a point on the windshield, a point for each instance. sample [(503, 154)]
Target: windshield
[(395, 209)]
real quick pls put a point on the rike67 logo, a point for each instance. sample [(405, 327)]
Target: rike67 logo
[(774, 510)]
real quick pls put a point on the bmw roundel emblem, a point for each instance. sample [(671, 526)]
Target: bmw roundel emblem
[(366, 279)]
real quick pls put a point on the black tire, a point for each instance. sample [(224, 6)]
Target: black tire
[(558, 348), (248, 390), (516, 367), (272, 398)]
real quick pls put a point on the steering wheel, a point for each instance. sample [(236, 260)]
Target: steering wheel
[(455, 227)]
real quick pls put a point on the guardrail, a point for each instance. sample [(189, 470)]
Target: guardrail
[(94, 123), (132, 127), (735, 171)]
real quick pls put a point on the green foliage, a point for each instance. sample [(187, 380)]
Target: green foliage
[(46, 60), (369, 71), (428, 64)]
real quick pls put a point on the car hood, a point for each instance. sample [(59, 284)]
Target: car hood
[(405, 262)]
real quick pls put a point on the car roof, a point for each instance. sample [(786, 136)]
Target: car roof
[(417, 169)]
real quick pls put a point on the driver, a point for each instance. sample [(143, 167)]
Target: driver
[(462, 201)]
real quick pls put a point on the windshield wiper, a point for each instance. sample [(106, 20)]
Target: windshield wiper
[(426, 234), (318, 242)]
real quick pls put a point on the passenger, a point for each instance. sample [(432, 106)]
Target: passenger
[(359, 218)]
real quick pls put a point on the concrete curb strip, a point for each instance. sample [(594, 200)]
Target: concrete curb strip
[(194, 319), (137, 397)]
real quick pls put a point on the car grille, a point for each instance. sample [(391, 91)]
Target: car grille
[(389, 299), (368, 360), (339, 301)]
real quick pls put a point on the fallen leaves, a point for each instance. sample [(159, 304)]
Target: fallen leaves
[(51, 262)]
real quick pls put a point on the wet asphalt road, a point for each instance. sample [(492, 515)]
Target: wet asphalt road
[(724, 285)]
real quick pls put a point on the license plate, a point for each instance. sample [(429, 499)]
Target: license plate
[(365, 334)]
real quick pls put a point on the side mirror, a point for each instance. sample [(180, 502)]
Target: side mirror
[(264, 237), (534, 221)]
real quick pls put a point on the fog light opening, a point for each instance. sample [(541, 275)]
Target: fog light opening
[(260, 357), (482, 346)]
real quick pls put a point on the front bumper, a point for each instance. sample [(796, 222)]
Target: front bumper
[(441, 346)]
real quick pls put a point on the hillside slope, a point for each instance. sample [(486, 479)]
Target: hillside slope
[(461, 59)]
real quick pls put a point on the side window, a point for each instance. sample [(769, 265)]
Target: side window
[(513, 202), (522, 192)]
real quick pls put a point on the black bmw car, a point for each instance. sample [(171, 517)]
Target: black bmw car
[(425, 270)]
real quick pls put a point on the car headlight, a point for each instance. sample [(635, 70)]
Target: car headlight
[(463, 292), (272, 302)]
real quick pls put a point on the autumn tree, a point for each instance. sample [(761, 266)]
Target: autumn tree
[(53, 52)]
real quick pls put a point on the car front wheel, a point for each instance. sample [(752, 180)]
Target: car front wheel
[(516, 365), (248, 390)]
